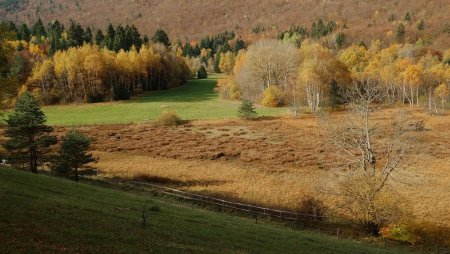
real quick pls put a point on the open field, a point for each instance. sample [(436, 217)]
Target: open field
[(269, 162), (195, 100), (42, 214)]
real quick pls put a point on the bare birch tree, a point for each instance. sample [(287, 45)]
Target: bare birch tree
[(371, 152)]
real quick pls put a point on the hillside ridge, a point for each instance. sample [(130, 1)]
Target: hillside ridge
[(193, 19)]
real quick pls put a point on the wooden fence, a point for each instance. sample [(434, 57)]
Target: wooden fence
[(235, 206)]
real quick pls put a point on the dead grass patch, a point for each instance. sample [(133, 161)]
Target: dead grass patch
[(272, 162)]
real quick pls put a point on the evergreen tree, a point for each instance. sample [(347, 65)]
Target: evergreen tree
[(110, 35), (187, 50), (99, 37), (136, 37), (161, 36), (246, 110), (17, 69), (340, 40), (38, 29), (336, 98), (196, 51), (400, 33), (225, 47), (146, 40), (201, 73), (217, 63), (73, 154), (408, 17), (240, 44), (75, 35), (421, 25), (87, 36), (29, 135), (24, 33)]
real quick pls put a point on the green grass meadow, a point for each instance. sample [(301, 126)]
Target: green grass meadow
[(195, 100), (42, 214)]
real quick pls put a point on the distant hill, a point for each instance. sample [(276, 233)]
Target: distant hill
[(192, 19)]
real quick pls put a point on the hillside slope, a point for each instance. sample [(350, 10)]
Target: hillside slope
[(41, 214), (191, 19)]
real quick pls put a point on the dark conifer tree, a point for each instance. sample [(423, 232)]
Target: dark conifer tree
[(161, 36), (87, 36), (29, 135), (99, 37), (38, 29)]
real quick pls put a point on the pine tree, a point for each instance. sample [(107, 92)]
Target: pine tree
[(146, 39), (246, 110), (161, 36), (408, 17), (99, 37), (24, 32), (110, 35), (400, 34), (421, 25), (217, 63), (240, 44), (87, 36), (29, 135), (73, 154), (201, 73), (38, 29), (340, 40), (75, 34)]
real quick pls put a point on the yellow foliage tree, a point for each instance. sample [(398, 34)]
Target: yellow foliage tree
[(442, 92), (226, 63)]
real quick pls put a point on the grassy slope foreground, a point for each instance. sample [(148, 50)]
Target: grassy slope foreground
[(195, 100), (41, 214)]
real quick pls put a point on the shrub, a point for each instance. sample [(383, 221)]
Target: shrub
[(95, 98), (168, 118), (228, 89), (201, 73), (399, 233), (121, 93), (312, 206), (73, 154), (246, 110), (272, 97), (155, 208)]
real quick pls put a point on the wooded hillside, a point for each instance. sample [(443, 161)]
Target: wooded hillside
[(192, 19)]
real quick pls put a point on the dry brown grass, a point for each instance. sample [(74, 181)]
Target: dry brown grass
[(168, 119), (270, 162)]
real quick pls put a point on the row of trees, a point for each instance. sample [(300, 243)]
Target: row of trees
[(31, 143), (313, 74), (91, 74), (56, 37)]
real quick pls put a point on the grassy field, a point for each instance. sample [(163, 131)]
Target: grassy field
[(195, 100), (42, 214)]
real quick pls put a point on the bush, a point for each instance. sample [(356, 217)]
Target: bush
[(95, 97), (228, 89), (246, 110), (121, 93), (201, 73), (399, 233), (272, 97), (155, 208), (313, 208), (168, 118)]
